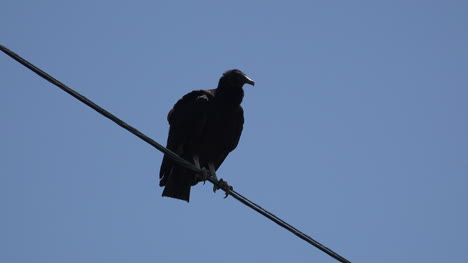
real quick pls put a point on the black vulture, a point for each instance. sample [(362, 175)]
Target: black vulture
[(205, 126)]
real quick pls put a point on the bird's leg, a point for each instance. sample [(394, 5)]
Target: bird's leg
[(203, 176), (196, 161), (225, 186), (213, 173)]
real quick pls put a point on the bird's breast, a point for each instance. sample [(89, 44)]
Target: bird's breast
[(220, 130)]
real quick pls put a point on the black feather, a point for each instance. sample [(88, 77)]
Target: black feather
[(206, 123)]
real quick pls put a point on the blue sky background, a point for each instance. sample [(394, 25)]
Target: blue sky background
[(355, 133)]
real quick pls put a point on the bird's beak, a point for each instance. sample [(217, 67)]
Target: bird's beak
[(249, 81)]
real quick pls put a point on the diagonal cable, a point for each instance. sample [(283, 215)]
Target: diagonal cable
[(171, 154)]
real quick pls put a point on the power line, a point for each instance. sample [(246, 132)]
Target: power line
[(171, 154)]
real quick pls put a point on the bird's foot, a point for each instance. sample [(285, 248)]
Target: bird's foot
[(203, 176), (224, 186)]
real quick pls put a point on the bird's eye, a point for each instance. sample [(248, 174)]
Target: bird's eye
[(236, 80)]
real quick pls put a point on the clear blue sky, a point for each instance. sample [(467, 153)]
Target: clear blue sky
[(355, 133)]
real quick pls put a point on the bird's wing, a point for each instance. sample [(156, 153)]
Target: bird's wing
[(187, 120), (236, 127)]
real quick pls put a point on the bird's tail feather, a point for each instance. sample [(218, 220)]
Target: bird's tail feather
[(178, 183)]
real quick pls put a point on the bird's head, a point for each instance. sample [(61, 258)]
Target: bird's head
[(235, 78)]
